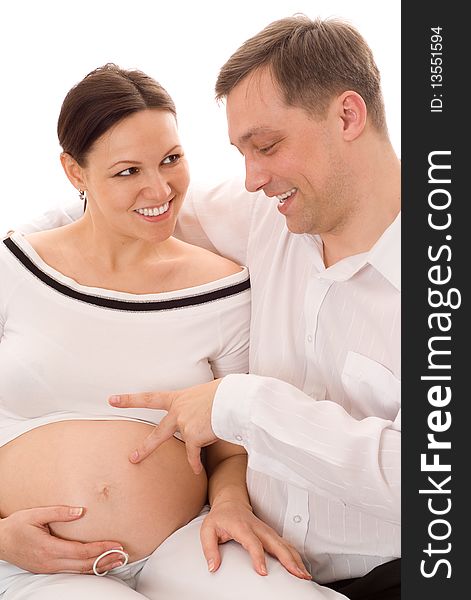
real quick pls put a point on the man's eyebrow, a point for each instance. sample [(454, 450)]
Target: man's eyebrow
[(255, 131)]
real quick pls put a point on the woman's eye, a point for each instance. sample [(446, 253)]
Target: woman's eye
[(171, 158), (127, 172)]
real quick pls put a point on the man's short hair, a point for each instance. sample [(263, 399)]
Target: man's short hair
[(311, 62)]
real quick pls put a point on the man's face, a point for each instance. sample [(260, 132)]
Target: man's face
[(289, 154)]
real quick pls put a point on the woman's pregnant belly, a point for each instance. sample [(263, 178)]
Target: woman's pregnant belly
[(85, 463)]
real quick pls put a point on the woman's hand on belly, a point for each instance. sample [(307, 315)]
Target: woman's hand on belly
[(26, 541), (85, 463)]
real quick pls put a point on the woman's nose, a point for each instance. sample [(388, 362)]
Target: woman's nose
[(157, 188)]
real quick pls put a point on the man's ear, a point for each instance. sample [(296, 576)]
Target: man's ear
[(73, 171), (353, 113)]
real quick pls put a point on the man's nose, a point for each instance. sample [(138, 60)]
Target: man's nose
[(256, 177)]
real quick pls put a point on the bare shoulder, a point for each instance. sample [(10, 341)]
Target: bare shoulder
[(219, 266), (208, 266), (52, 246), (44, 242)]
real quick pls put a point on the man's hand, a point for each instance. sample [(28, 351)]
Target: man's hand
[(25, 541), (235, 521), (189, 413)]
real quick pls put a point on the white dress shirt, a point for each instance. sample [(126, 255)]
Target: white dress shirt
[(319, 413)]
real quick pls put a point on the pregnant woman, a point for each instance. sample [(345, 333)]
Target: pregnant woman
[(113, 301)]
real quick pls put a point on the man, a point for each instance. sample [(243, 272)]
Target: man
[(319, 413)]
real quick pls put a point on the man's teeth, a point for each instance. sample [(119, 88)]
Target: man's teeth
[(286, 195), (154, 211)]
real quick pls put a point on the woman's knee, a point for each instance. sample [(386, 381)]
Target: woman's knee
[(68, 586), (178, 569)]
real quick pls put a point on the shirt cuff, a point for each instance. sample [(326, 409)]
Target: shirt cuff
[(230, 418)]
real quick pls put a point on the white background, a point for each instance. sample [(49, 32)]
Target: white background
[(47, 46)]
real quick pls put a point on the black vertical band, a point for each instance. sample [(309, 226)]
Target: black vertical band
[(435, 396)]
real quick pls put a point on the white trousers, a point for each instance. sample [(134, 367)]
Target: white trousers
[(176, 570)]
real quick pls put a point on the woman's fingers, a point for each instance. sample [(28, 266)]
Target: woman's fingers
[(252, 543), (107, 563), (76, 557), (231, 521), (213, 533), (210, 544), (53, 514), (30, 545), (84, 552), (286, 554)]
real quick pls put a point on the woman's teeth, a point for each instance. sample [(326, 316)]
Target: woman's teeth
[(154, 211), (286, 195)]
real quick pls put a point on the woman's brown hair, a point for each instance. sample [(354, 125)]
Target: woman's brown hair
[(103, 98)]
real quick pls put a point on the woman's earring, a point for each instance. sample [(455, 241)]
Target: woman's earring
[(83, 198)]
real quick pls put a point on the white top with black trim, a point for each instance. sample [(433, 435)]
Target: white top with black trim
[(65, 347)]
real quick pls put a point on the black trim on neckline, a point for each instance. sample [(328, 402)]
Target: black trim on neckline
[(128, 305)]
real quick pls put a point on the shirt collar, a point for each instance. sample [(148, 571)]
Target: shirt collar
[(384, 256)]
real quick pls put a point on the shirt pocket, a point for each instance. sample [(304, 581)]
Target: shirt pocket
[(373, 390)]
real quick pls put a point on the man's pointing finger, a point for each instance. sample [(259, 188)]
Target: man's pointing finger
[(162, 400), (160, 434)]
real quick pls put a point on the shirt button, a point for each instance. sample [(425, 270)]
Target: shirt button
[(239, 438), (309, 338), (297, 518)]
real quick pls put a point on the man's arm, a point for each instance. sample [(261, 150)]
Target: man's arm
[(219, 218), (312, 444), (56, 217)]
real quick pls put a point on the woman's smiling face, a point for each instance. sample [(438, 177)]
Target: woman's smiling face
[(136, 176)]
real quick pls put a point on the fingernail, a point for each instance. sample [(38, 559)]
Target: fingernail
[(75, 511), (118, 548), (116, 565), (263, 570), (303, 573), (210, 565), (115, 400), (134, 456)]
